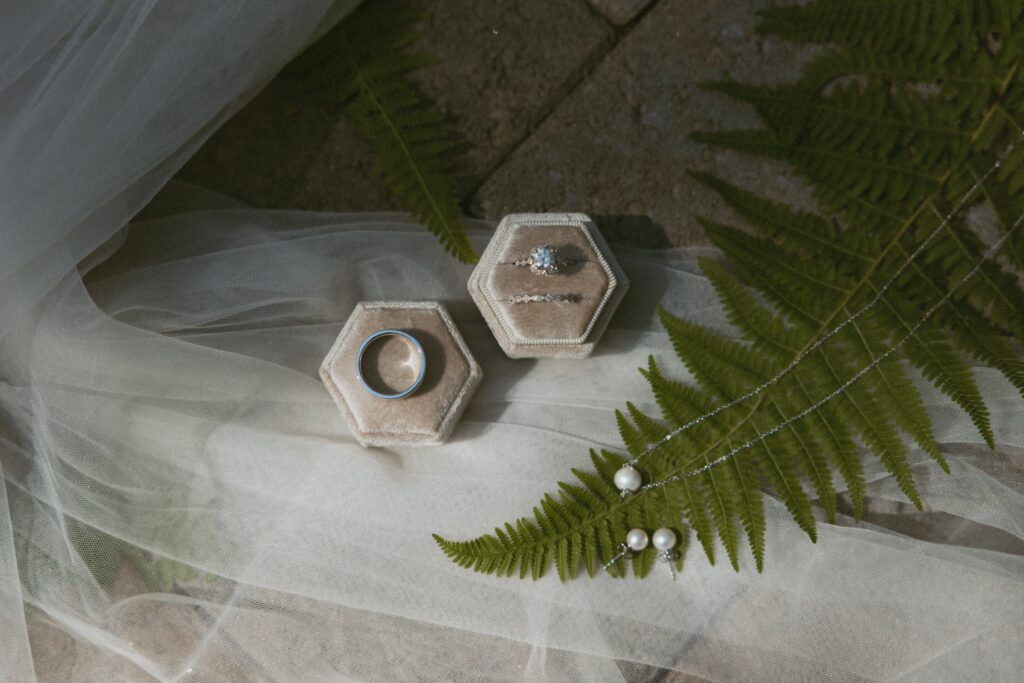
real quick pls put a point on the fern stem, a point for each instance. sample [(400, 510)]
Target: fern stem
[(849, 159), (366, 87), (1009, 117), (844, 303), (991, 200), (967, 254), (848, 114)]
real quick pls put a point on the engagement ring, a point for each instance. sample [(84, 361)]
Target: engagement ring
[(544, 260)]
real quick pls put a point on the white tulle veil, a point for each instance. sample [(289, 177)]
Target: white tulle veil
[(183, 501)]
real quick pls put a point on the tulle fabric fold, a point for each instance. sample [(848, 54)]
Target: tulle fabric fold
[(188, 438), (183, 501)]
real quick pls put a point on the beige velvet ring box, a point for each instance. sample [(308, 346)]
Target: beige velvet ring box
[(515, 298), (428, 415)]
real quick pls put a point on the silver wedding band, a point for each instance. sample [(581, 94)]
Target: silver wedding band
[(413, 343)]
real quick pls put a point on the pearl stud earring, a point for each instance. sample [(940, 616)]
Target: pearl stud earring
[(664, 541), (627, 480), (636, 540)]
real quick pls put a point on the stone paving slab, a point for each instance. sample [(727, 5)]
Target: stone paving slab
[(618, 147), (289, 151), (619, 12), (558, 111), (502, 68)]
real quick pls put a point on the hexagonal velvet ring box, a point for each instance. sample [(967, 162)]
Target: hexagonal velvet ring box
[(391, 363), (547, 284)]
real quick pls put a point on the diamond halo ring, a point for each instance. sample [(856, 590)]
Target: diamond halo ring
[(544, 260)]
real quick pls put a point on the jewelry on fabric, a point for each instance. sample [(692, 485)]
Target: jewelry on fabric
[(544, 260), (628, 480), (880, 292), (412, 342), (546, 298)]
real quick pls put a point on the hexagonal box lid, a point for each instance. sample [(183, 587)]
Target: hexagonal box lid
[(427, 416), (547, 284)]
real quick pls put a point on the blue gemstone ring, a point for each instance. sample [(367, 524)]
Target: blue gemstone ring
[(417, 350), (544, 260)]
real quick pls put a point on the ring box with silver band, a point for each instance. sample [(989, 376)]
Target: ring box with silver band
[(547, 285), (400, 373)]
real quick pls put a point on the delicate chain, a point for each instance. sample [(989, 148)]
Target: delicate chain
[(828, 335), (863, 371)]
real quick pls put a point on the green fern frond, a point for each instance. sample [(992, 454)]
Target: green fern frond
[(899, 118), (364, 63)]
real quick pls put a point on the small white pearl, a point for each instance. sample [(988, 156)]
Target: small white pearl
[(627, 479), (664, 539), (636, 539)]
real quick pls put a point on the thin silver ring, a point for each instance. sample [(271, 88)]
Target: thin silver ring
[(413, 342), (546, 298)]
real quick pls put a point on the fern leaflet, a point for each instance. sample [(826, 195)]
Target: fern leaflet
[(364, 63)]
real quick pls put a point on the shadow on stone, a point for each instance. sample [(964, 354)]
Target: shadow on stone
[(633, 231), (263, 155)]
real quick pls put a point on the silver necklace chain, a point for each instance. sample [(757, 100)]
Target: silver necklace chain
[(624, 551), (831, 333), (863, 371)]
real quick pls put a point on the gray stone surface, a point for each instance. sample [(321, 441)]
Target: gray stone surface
[(619, 12), (289, 151), (503, 66), (558, 110), (618, 147)]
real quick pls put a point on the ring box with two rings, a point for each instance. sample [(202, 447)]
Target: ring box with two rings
[(547, 285)]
